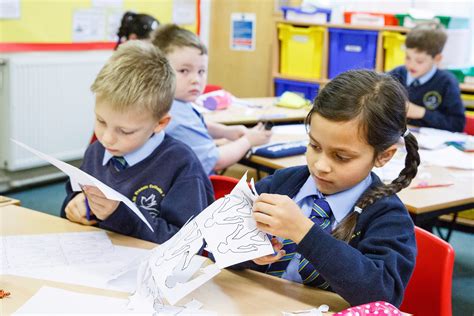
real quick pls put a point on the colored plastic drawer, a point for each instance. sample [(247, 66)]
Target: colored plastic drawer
[(394, 48), (369, 18), (301, 50), (351, 49), (308, 90)]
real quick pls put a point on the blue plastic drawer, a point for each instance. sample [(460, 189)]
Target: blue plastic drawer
[(351, 49), (307, 90)]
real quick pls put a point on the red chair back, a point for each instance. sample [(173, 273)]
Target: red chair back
[(469, 128), (429, 289), (222, 185), (211, 87)]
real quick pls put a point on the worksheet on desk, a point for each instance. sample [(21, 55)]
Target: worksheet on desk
[(85, 258)]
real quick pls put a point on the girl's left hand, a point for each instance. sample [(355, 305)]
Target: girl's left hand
[(235, 132), (99, 204), (279, 215)]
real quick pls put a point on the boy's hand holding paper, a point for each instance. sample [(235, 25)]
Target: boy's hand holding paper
[(76, 211), (99, 204), (80, 178)]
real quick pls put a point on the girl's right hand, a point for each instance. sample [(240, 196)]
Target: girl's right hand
[(76, 210), (258, 135), (269, 259)]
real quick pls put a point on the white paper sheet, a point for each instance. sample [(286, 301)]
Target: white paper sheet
[(229, 229), (87, 258), (98, 275), (49, 300), (78, 176), (447, 157), (50, 250), (173, 271), (431, 138), (291, 129)]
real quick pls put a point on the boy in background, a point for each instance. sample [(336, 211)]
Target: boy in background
[(134, 91), (188, 57), (434, 96)]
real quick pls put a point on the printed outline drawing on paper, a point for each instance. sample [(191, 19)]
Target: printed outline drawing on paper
[(220, 215), (240, 244)]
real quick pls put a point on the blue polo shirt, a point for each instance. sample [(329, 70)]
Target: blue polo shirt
[(341, 204), (187, 126)]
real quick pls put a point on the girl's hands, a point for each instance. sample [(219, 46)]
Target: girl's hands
[(280, 216), (76, 210), (99, 204), (277, 245)]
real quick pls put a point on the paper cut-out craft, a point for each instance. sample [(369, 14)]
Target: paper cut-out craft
[(79, 177), (229, 229), (173, 270)]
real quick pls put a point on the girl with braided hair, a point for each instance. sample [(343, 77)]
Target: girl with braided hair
[(336, 225)]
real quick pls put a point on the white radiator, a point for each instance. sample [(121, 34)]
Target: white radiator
[(46, 103)]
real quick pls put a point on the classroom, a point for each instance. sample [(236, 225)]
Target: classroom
[(237, 157)]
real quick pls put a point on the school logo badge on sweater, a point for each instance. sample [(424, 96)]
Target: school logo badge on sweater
[(148, 199), (432, 99)]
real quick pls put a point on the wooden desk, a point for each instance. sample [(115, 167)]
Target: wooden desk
[(241, 114), (5, 200), (230, 292), (423, 204)]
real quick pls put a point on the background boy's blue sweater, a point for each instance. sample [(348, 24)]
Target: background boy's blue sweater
[(169, 186), (376, 264), (440, 96)]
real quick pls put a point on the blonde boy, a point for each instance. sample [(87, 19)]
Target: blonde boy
[(134, 91), (188, 57), (435, 99)]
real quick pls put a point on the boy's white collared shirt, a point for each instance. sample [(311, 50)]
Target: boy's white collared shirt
[(341, 204), (141, 153)]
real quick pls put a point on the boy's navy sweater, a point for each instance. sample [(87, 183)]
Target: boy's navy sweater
[(169, 187), (440, 96), (376, 264)]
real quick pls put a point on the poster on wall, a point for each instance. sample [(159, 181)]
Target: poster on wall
[(10, 9), (118, 4), (88, 25), (184, 12), (242, 31)]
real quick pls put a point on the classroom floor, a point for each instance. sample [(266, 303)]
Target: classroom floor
[(49, 199)]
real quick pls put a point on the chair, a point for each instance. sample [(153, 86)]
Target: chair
[(211, 87), (222, 185), (469, 128), (429, 289)]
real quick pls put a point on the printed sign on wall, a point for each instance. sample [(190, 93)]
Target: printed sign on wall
[(243, 33)]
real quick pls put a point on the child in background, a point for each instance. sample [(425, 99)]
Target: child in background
[(136, 26), (435, 99), (338, 226), (134, 92), (188, 57)]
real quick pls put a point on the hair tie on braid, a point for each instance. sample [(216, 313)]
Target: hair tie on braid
[(407, 132), (357, 209)]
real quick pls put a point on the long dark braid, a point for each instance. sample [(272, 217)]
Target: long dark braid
[(379, 102)]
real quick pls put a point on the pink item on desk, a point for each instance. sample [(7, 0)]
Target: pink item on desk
[(218, 101), (379, 308)]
